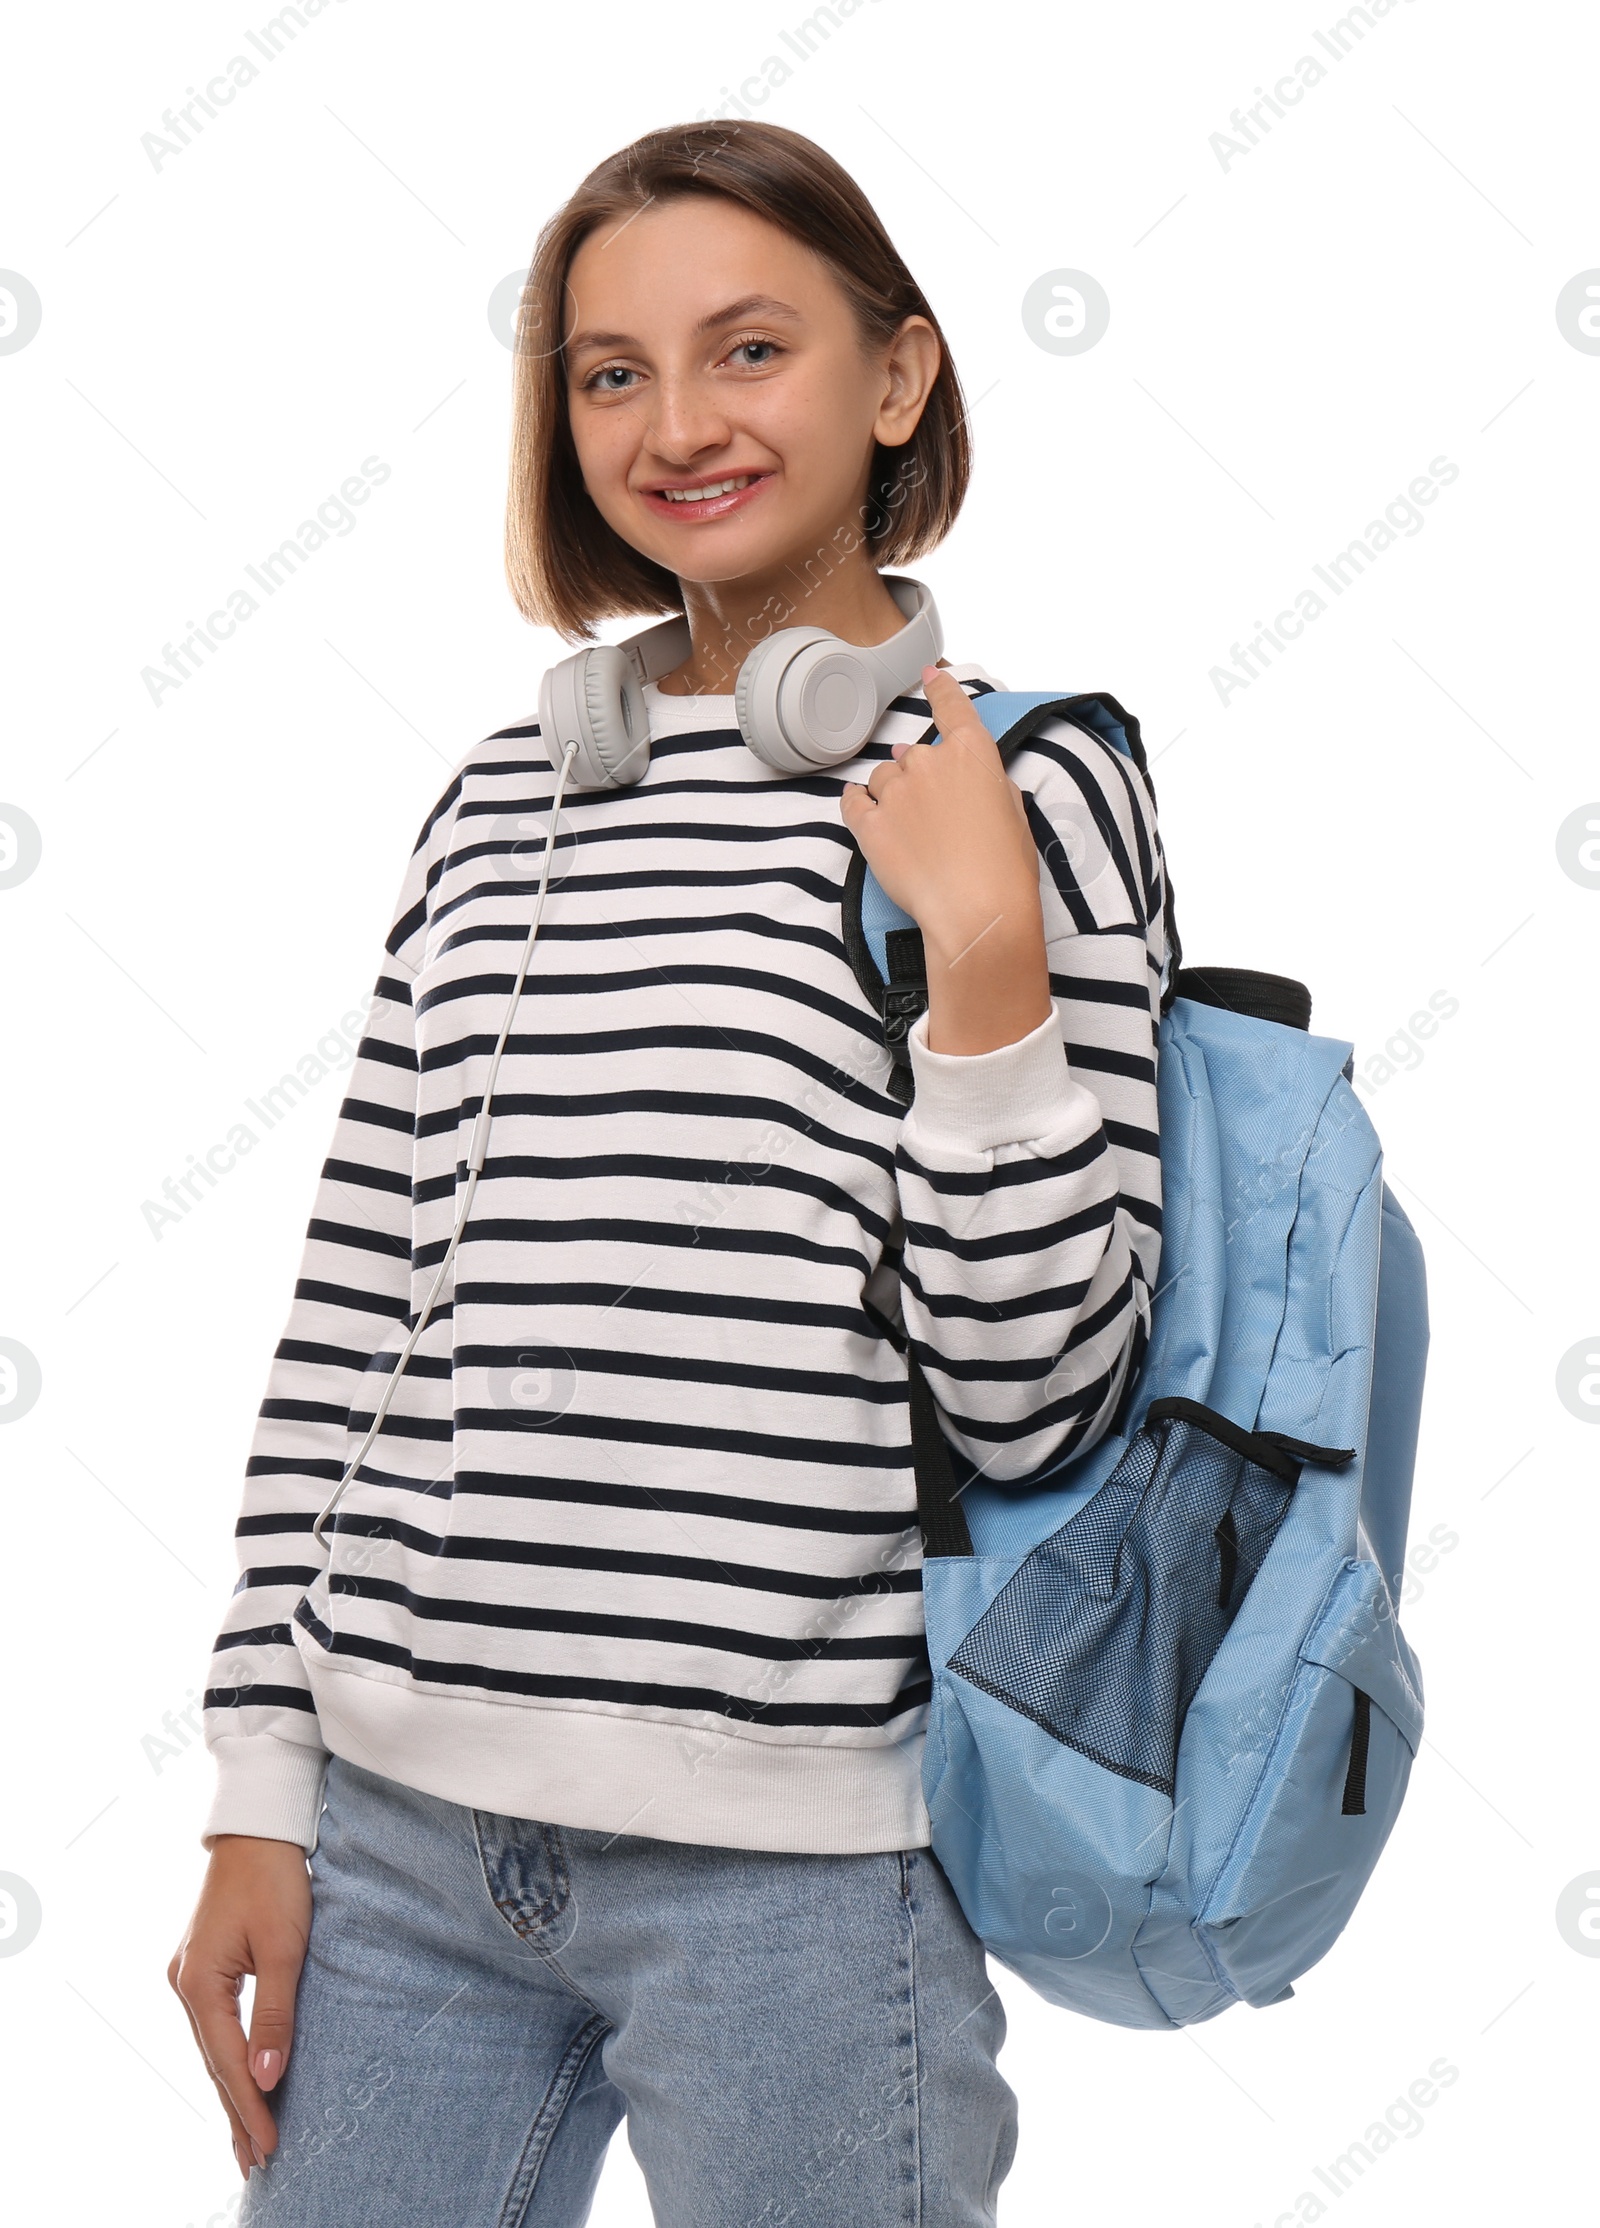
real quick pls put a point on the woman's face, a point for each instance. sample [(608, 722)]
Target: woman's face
[(706, 345)]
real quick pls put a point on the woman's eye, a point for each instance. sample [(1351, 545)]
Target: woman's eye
[(739, 349), (618, 379)]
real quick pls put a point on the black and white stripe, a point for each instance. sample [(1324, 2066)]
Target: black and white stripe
[(652, 1457)]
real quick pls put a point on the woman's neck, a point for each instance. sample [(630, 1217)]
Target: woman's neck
[(727, 618)]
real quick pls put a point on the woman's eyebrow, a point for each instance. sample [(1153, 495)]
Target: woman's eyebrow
[(751, 305)]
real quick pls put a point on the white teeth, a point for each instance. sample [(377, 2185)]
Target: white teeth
[(702, 494)]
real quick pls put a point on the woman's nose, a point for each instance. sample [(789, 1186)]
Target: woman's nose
[(685, 421)]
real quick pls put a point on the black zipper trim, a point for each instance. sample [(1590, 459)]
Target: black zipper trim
[(1273, 1451), (1354, 1804)]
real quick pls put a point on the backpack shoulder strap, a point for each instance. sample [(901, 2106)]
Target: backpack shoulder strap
[(883, 943), (884, 947)]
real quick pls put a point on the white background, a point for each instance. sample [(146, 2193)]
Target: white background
[(1293, 339)]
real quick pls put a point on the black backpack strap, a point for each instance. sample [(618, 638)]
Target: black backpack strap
[(904, 1001), (939, 1510)]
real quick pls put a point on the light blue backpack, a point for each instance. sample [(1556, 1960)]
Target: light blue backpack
[(1173, 1712)]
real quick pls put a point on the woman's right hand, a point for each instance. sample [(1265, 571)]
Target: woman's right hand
[(253, 1916)]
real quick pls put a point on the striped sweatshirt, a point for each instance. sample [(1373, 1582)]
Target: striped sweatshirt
[(637, 1546)]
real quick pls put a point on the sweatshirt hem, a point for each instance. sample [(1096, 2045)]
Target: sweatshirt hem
[(616, 1774)]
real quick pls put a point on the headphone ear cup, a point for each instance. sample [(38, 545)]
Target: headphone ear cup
[(594, 699), (619, 724), (805, 700)]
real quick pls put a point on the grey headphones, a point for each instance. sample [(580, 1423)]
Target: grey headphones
[(803, 698)]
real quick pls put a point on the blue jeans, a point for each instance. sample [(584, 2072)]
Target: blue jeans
[(797, 2041)]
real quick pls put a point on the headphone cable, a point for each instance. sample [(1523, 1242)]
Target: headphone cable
[(476, 1155)]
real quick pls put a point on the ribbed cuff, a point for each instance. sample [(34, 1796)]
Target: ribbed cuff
[(1011, 1096), (268, 1787)]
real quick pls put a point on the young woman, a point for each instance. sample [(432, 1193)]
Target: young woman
[(590, 1671)]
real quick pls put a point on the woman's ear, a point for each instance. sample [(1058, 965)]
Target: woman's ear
[(911, 367)]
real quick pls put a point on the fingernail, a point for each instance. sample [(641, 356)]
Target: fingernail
[(257, 2153), (266, 2067)]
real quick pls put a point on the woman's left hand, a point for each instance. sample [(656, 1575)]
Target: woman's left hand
[(946, 832)]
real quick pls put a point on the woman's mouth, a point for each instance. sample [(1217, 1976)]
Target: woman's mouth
[(707, 498)]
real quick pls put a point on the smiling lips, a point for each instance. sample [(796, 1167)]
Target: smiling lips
[(705, 498)]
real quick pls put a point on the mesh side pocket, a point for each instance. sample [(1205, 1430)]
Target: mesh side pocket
[(1105, 1632)]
